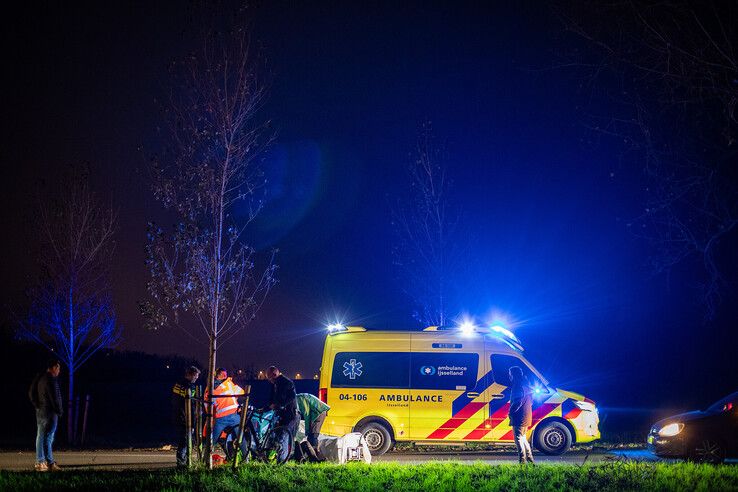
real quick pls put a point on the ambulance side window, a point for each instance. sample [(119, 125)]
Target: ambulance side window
[(501, 364), (371, 370), (443, 371)]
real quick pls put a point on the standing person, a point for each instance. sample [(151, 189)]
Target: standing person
[(283, 400), (225, 408), (521, 413), (313, 412), (45, 396), (179, 417)]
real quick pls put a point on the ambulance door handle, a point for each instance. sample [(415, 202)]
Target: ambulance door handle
[(498, 396), (472, 394)]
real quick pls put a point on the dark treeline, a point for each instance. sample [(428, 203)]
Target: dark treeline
[(129, 395)]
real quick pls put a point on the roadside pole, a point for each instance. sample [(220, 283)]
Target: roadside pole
[(198, 421), (242, 425), (76, 420), (188, 422), (84, 421)]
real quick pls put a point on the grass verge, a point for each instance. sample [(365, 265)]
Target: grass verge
[(614, 476)]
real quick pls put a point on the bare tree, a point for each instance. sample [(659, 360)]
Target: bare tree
[(667, 74), (425, 251), (71, 312), (202, 271)]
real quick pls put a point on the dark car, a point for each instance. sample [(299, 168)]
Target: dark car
[(707, 436)]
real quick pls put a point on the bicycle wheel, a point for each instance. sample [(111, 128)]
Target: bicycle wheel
[(279, 443), (244, 455)]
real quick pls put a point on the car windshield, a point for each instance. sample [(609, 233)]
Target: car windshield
[(719, 405)]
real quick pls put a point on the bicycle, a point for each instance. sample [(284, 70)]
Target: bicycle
[(263, 438)]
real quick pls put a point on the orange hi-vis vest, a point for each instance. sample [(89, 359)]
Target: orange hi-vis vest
[(227, 405)]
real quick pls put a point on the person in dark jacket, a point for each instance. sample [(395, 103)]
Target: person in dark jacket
[(179, 415), (521, 413), (283, 400), (45, 396)]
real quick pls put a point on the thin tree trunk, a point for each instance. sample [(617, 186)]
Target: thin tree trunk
[(216, 312), (70, 367), (211, 409), (70, 407)]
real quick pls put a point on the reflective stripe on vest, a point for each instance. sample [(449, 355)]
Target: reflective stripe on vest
[(226, 406)]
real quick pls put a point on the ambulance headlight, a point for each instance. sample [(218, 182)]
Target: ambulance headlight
[(671, 429), (585, 405)]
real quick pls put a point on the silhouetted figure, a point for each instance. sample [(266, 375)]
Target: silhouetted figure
[(179, 416), (45, 396), (521, 413), (283, 400)]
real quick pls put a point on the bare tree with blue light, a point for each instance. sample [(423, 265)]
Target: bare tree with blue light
[(204, 275), (72, 312), (425, 252)]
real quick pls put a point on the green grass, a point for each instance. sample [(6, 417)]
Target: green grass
[(614, 476)]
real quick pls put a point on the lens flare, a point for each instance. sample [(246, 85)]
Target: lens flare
[(467, 327)]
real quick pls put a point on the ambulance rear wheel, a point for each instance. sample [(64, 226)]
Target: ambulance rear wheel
[(377, 436), (552, 438)]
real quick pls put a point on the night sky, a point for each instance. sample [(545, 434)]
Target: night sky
[(543, 212)]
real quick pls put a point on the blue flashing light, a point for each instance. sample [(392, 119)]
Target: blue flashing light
[(539, 391), (504, 332), (334, 327)]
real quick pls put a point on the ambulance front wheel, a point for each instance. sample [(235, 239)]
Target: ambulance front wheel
[(377, 436), (552, 438)]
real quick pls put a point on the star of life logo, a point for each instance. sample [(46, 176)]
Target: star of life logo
[(352, 369), (427, 370)]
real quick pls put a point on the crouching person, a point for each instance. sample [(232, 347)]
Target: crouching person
[(313, 412), (225, 406)]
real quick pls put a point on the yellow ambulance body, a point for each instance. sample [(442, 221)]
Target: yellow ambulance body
[(441, 385)]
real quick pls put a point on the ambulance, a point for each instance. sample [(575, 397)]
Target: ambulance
[(441, 385)]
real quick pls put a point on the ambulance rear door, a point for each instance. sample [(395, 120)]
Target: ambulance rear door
[(370, 377)]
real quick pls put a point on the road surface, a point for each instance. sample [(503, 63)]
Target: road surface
[(136, 460)]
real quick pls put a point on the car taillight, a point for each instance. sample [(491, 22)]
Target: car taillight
[(323, 395)]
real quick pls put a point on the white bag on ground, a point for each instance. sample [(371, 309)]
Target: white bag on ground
[(350, 447)]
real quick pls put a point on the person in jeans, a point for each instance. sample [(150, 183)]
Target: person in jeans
[(225, 407), (521, 413), (45, 396), (179, 404)]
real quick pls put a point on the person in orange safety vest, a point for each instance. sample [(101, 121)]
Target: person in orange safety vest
[(226, 407)]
